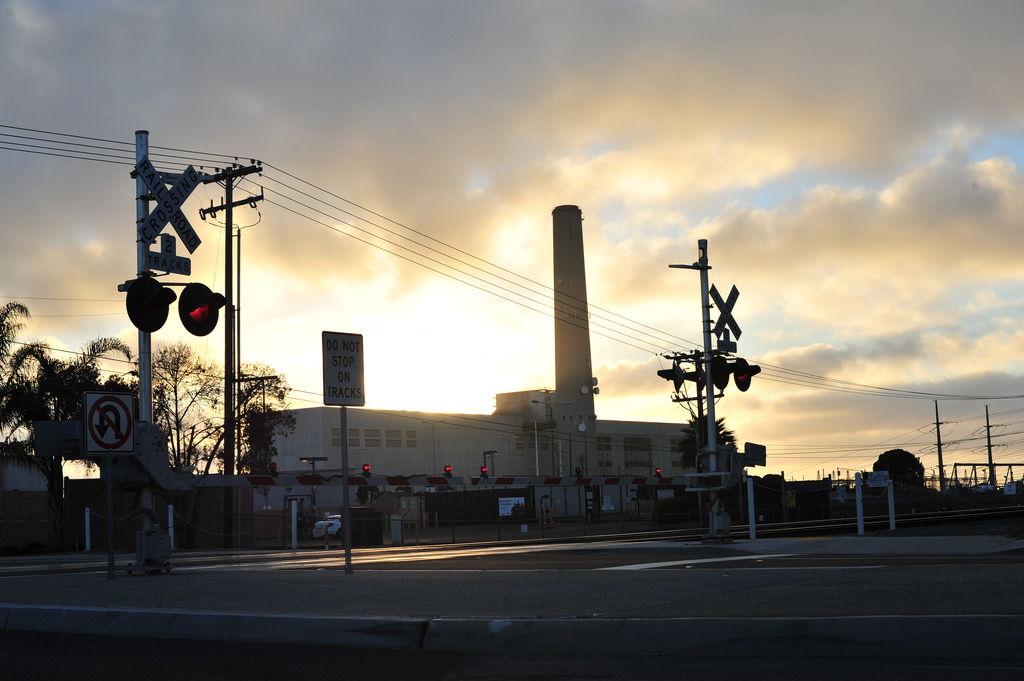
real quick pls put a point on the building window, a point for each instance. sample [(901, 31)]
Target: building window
[(678, 444), (373, 437), (604, 443), (637, 454), (353, 437), (410, 438), (394, 438)]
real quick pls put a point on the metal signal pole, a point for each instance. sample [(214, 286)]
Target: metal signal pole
[(145, 341)]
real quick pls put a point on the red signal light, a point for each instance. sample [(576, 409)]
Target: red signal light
[(200, 313), (198, 309)]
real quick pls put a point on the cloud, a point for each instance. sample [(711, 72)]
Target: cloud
[(854, 167)]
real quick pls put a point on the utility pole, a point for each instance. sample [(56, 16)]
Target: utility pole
[(228, 176), (718, 518), (988, 438), (938, 445)]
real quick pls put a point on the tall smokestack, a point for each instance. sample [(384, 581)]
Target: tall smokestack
[(573, 371)]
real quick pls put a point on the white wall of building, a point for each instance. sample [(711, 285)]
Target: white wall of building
[(405, 443)]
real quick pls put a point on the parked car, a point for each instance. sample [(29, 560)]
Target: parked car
[(331, 525)]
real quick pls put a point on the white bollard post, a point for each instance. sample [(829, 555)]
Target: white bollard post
[(295, 524), (170, 525), (860, 506), (88, 530), (750, 508), (892, 507)]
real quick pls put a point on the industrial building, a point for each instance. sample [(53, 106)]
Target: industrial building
[(531, 434)]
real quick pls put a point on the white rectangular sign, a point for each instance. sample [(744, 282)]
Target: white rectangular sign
[(343, 369), (109, 422), (172, 264), (878, 478)]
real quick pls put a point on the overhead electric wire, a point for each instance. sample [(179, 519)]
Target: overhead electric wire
[(500, 293), (635, 334), (662, 343), (545, 289)]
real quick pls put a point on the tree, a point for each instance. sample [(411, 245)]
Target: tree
[(904, 468), (44, 388), (12, 316), (186, 393), (263, 416), (723, 436)]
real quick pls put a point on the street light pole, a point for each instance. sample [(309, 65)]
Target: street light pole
[(312, 488)]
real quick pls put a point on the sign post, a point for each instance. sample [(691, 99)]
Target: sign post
[(109, 428), (343, 387)]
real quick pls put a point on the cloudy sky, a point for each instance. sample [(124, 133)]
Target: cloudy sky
[(854, 167)]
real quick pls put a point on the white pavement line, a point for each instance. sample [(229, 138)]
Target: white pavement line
[(670, 563)]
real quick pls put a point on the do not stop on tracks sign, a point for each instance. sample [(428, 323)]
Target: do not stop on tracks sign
[(343, 369), (109, 422)]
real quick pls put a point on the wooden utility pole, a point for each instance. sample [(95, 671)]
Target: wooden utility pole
[(228, 176)]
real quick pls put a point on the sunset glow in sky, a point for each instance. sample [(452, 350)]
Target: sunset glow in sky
[(855, 167)]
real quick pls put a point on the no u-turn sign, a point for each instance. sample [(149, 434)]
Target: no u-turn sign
[(109, 422)]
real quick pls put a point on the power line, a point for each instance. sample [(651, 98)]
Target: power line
[(425, 251)]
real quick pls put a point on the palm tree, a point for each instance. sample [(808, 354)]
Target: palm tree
[(44, 388), (690, 447), (12, 316)]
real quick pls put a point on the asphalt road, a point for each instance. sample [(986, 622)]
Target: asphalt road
[(891, 607), (31, 656)]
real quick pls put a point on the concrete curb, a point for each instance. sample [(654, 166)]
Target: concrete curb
[(960, 637)]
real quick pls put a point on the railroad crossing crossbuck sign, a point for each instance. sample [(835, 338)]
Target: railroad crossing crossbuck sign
[(725, 320), (109, 423), (168, 204)]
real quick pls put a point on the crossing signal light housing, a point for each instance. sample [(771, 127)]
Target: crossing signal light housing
[(678, 376), (483, 471), (147, 303), (447, 471), (199, 308), (743, 372), (579, 473), (657, 473), (739, 369), (273, 469), (366, 470)]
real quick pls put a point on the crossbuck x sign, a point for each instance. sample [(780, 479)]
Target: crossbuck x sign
[(726, 321)]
